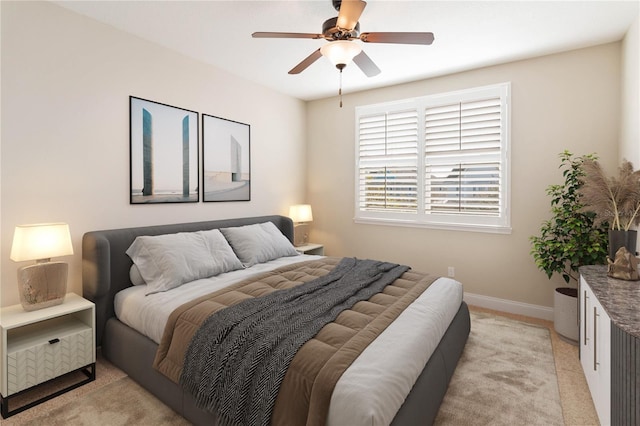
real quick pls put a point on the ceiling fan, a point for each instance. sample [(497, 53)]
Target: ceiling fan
[(341, 32)]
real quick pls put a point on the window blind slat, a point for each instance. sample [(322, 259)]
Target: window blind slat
[(463, 188), (388, 188)]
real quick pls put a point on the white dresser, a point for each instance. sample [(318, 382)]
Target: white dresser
[(610, 344)]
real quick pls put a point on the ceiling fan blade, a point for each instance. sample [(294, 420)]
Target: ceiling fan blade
[(306, 62), (400, 38), (285, 35), (364, 62), (350, 11)]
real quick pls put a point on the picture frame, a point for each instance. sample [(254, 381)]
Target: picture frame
[(226, 160), (164, 153)]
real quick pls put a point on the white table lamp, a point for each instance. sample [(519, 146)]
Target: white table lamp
[(301, 215), (43, 284)]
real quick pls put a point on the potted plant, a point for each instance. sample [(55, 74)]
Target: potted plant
[(570, 239), (615, 200)]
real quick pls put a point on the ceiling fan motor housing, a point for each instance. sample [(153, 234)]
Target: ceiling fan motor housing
[(331, 31)]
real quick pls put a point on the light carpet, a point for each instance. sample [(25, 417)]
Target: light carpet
[(506, 376), (119, 403)]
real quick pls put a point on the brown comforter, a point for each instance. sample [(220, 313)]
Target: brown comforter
[(306, 390)]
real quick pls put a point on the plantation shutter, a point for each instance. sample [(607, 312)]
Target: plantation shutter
[(463, 157), (439, 161), (388, 161)]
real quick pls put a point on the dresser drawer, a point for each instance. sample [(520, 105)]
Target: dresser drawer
[(42, 353)]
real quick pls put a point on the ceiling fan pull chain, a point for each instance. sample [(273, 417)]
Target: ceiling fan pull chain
[(340, 89)]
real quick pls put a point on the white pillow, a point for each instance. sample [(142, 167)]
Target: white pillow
[(170, 260), (258, 243), (224, 259), (135, 276)]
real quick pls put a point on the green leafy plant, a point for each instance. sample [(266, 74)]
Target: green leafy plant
[(572, 237), (614, 199)]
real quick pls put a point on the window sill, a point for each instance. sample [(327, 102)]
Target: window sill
[(490, 229)]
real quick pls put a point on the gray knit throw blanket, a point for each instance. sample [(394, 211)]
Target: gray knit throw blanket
[(237, 360)]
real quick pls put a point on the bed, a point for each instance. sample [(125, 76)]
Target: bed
[(106, 277)]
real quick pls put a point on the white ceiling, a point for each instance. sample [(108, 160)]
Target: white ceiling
[(468, 34)]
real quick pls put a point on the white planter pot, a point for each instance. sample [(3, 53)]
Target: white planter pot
[(565, 313)]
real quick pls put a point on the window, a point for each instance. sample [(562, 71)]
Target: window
[(437, 161)]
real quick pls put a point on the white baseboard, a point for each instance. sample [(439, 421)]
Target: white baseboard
[(504, 305)]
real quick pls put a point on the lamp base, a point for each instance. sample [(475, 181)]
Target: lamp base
[(42, 285), (300, 234)]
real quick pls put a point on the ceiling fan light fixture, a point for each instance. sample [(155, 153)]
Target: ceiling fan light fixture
[(340, 52)]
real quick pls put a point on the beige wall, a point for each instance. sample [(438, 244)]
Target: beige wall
[(563, 101), (66, 82), (630, 96), (630, 99)]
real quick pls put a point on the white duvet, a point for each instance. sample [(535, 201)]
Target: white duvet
[(373, 388)]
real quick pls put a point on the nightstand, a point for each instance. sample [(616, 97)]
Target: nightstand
[(40, 346), (311, 248)]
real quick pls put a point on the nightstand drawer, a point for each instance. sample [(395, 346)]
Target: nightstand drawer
[(40, 352)]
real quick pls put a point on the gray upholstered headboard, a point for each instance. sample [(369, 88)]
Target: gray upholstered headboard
[(105, 265)]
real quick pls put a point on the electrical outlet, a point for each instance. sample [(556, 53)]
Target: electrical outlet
[(451, 272)]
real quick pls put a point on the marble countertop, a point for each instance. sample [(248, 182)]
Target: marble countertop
[(619, 298)]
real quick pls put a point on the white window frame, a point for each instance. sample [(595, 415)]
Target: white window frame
[(466, 222)]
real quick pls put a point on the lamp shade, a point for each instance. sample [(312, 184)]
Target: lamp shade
[(340, 52), (301, 213), (41, 241)]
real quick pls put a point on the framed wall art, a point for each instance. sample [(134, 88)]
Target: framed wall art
[(226, 160), (163, 153)]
